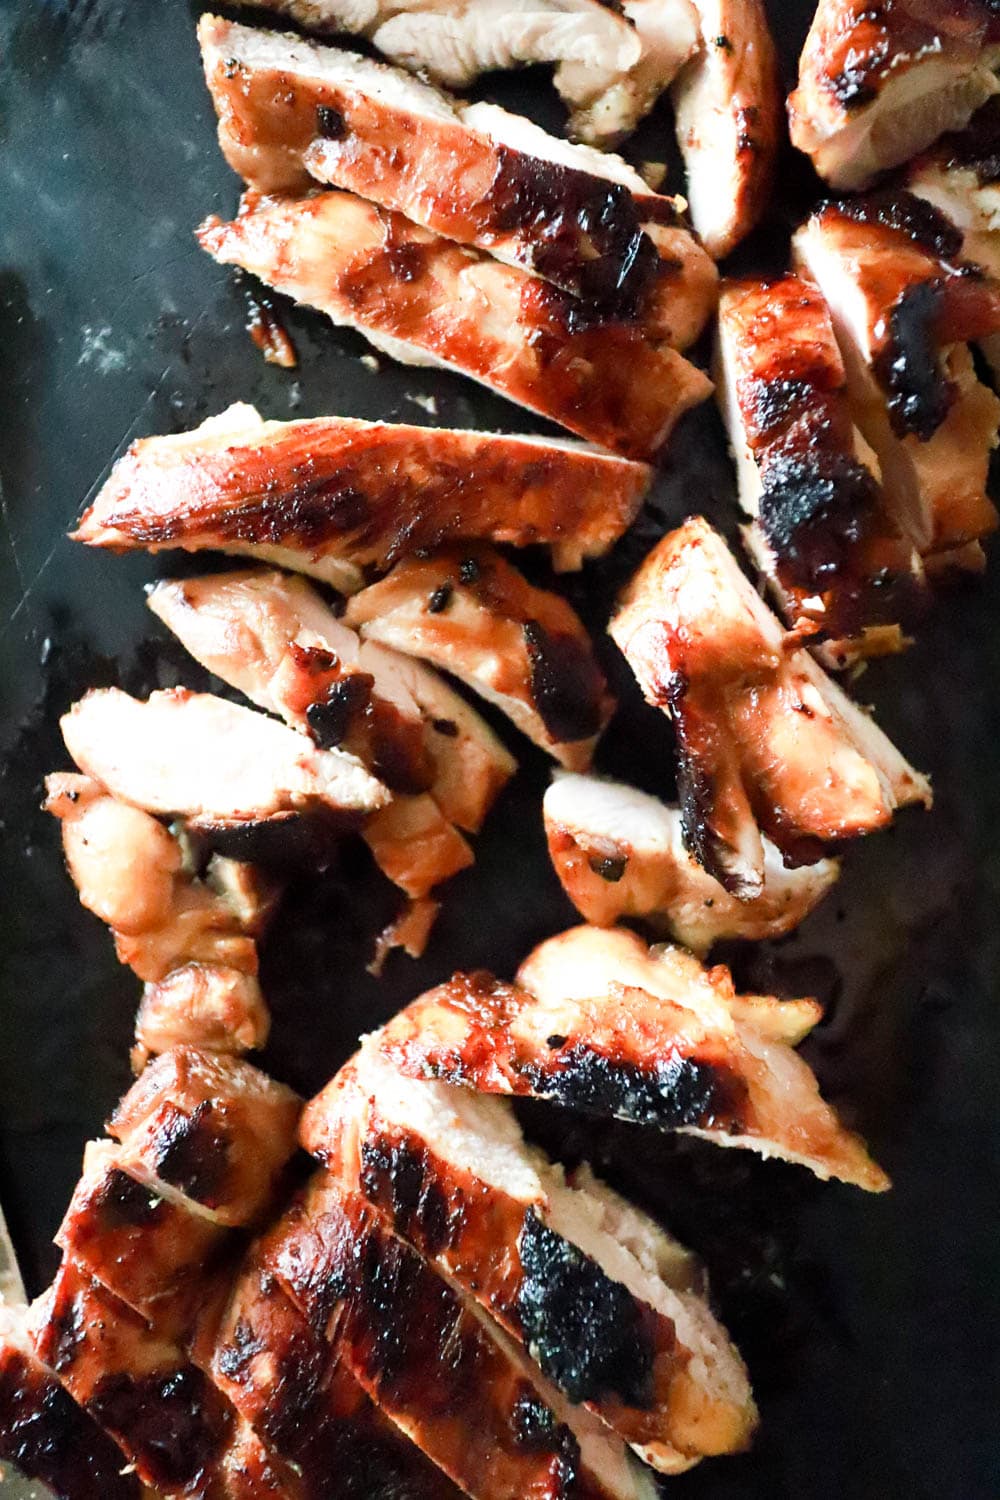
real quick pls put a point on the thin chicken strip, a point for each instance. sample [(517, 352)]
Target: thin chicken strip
[(766, 742), (522, 648), (424, 300), (646, 1357)]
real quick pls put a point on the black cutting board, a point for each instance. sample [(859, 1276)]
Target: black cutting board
[(870, 1325)]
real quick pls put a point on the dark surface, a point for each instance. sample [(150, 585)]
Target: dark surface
[(871, 1325)]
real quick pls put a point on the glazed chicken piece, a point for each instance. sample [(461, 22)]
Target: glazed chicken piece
[(619, 852), (648, 1358), (191, 939), (424, 300), (727, 109), (879, 83), (166, 1417), (249, 1471), (45, 1433), (674, 1057), (332, 496), (903, 312), (444, 1374), (211, 1130), (959, 178), (520, 647), (766, 742), (831, 552), (211, 762), (273, 638)]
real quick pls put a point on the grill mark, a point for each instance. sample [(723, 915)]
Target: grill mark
[(191, 1151), (396, 1176), (174, 1420), (566, 683), (680, 1091)]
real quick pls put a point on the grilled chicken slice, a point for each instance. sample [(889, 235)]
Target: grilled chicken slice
[(211, 762), (423, 299), (668, 35), (597, 1041), (273, 638), (831, 551), (903, 312), (444, 1373), (213, 1130), (520, 647), (959, 178), (879, 83), (646, 1356), (766, 742), (727, 108), (335, 496), (166, 1417), (249, 1471), (619, 852), (144, 1248), (45, 1433)]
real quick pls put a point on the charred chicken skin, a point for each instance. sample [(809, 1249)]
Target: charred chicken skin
[(424, 299), (833, 555), (619, 853), (766, 742), (522, 648), (454, 1176), (904, 309), (664, 1051), (334, 496), (878, 83)]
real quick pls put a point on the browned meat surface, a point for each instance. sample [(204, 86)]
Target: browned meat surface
[(727, 109), (522, 648), (49, 1437), (833, 554), (422, 298), (619, 853), (335, 496), (877, 83), (604, 1040), (249, 1471), (904, 310), (212, 1129), (766, 742), (454, 1176), (211, 761), (209, 1006), (163, 1413), (143, 1247), (442, 1373)]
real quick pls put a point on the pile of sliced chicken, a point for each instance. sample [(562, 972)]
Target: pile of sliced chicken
[(441, 1308)]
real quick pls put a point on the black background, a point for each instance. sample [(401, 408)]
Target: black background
[(870, 1324)]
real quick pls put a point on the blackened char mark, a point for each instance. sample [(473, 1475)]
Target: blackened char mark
[(585, 232), (349, 717), (919, 395), (346, 700), (978, 146), (49, 1437), (814, 511), (395, 1176), (907, 214), (675, 1092), (772, 406), (585, 1330), (121, 1203), (286, 841), (191, 1151), (566, 683), (855, 85), (176, 1422)]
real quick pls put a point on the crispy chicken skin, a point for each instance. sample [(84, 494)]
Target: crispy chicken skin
[(336, 496), (878, 83), (444, 1374), (424, 299), (454, 1176), (211, 761), (521, 647), (273, 638), (727, 108), (594, 1038), (45, 1433), (163, 1413), (766, 742), (619, 853), (903, 309), (833, 555), (211, 1129)]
